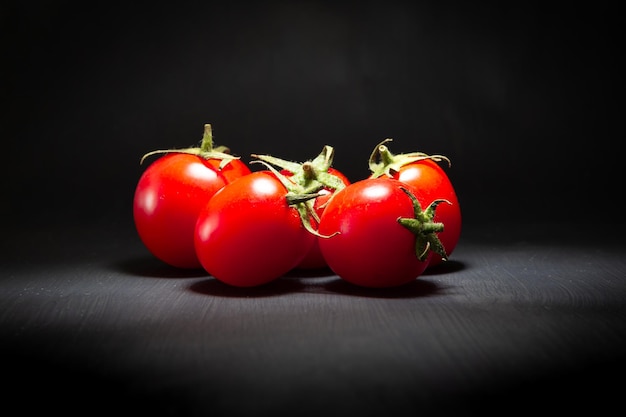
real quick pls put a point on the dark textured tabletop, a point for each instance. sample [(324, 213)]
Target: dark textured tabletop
[(515, 319)]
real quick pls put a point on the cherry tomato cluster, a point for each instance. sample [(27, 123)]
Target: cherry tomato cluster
[(202, 207)]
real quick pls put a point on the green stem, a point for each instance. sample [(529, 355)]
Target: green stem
[(207, 139), (386, 157), (309, 171)]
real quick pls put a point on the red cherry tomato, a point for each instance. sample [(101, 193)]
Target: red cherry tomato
[(431, 182), (372, 248), (248, 234), (168, 197)]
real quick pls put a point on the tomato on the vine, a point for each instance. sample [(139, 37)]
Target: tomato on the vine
[(171, 192), (381, 236), (430, 181)]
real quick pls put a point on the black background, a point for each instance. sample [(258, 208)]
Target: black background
[(526, 98)]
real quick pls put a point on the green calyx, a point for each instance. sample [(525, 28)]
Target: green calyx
[(206, 150), (424, 228), (384, 163), (311, 175), (304, 184)]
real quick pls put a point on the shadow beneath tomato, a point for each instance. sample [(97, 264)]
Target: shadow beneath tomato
[(413, 289), (446, 267), (310, 273), (148, 266), (217, 288), (317, 284)]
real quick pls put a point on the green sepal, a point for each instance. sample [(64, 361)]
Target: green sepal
[(299, 199), (329, 180), (292, 167), (424, 228), (384, 163), (306, 211), (206, 150), (223, 157), (312, 175)]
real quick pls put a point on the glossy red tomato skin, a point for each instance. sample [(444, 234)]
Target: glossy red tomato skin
[(314, 258), (168, 197), (372, 249), (247, 235), (431, 183)]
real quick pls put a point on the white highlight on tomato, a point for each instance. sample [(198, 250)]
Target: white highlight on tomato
[(199, 171), (148, 201), (264, 186), (375, 191)]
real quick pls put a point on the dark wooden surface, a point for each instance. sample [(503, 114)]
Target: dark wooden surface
[(518, 318)]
